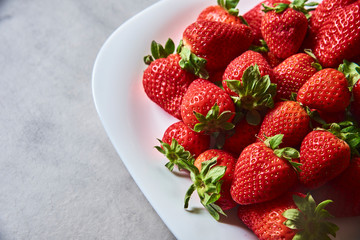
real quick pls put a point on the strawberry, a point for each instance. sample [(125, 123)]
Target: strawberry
[(344, 191), (237, 67), (164, 81), (292, 73), (216, 42), (252, 95), (323, 155), (333, 41), (291, 216), (223, 159), (264, 172), (288, 118), (284, 28), (327, 90), (355, 105), (324, 9), (193, 142), (207, 108), (241, 136), (254, 16), (225, 11)]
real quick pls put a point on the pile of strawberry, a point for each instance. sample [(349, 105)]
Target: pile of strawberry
[(268, 113)]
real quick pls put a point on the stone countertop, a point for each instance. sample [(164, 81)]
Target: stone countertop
[(60, 177)]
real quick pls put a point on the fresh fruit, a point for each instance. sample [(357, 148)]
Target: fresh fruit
[(355, 105), (193, 142), (240, 137), (291, 216), (216, 42), (225, 11), (292, 73), (164, 81), (253, 95), (327, 90), (288, 118), (344, 191), (264, 172), (323, 156), (226, 159), (255, 15), (237, 67), (284, 28), (333, 42), (207, 108)]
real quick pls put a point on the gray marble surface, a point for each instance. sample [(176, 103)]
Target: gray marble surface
[(60, 177)]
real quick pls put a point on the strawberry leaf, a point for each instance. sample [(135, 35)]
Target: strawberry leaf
[(214, 121), (310, 220), (158, 51), (192, 63), (274, 142), (351, 71), (230, 6)]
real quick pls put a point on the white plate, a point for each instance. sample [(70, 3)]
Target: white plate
[(133, 122)]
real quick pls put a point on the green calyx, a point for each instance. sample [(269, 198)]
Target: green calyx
[(310, 220), (192, 63), (263, 48), (214, 121), (158, 51), (230, 6), (207, 183), (298, 5), (286, 153), (351, 71), (254, 94), (347, 131), (175, 153)]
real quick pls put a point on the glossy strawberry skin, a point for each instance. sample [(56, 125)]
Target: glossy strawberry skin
[(327, 90), (193, 142), (217, 13), (284, 32), (324, 10), (266, 219), (344, 190), (236, 68), (223, 159), (287, 118), (200, 97), (260, 175), (292, 73), (338, 37), (243, 135), (217, 42), (255, 15), (323, 157), (165, 83)]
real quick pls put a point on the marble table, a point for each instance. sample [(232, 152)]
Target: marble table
[(60, 177)]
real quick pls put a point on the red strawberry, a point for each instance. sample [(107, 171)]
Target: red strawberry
[(237, 67), (344, 190), (242, 135), (355, 105), (324, 9), (323, 157), (291, 216), (327, 90), (338, 37), (284, 29), (223, 159), (255, 15), (263, 172), (164, 81), (223, 12), (193, 142), (292, 73), (217, 42), (207, 108), (287, 118)]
